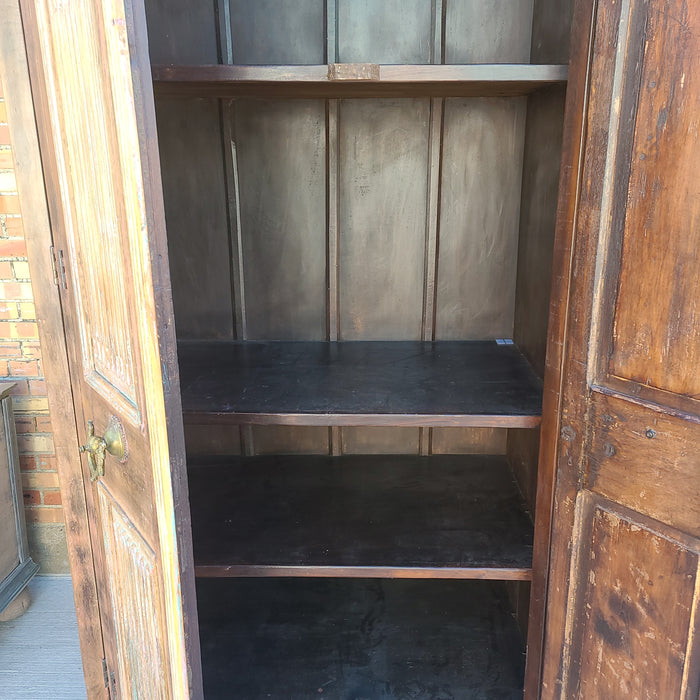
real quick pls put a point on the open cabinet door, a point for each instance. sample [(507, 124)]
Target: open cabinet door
[(624, 588), (92, 94)]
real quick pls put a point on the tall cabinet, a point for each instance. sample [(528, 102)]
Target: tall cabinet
[(360, 202)]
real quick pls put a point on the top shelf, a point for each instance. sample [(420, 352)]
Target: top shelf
[(376, 383), (356, 80)]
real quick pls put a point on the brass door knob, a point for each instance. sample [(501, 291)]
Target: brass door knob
[(113, 441)]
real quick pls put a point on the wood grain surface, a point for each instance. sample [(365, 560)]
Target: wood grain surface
[(381, 516), (478, 383)]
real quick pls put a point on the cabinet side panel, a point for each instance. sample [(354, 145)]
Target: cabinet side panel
[(9, 544), (543, 139), (279, 163), (487, 32), (194, 189), (479, 211), (286, 32), (182, 31), (393, 31)]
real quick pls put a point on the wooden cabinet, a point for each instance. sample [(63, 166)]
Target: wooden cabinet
[(344, 224), (360, 200)]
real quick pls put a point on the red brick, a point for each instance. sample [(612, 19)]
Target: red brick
[(13, 248), (4, 135), (14, 226), (46, 463), (8, 311), (27, 463), (21, 387), (52, 498), (37, 387), (25, 424), (18, 329), (32, 498), (31, 350), (24, 369), (10, 350), (43, 424), (6, 271), (9, 203), (10, 290)]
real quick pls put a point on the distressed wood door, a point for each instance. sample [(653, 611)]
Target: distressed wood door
[(93, 99), (624, 585)]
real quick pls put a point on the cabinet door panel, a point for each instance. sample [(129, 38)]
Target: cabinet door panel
[(624, 591), (91, 85)]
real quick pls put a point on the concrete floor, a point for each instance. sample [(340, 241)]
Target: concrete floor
[(39, 651)]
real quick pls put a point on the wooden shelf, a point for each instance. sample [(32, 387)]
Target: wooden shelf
[(447, 383), (335, 638), (446, 516), (480, 80)]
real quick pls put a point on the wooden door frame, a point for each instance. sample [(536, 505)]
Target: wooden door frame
[(14, 74), (573, 144)]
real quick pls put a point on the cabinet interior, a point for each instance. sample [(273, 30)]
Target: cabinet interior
[(333, 245)]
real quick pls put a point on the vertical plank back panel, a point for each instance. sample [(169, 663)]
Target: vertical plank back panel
[(551, 31), (286, 32), (383, 188), (480, 202), (380, 441), (181, 31), (383, 153), (468, 441), (487, 32), (280, 151), (393, 31), (195, 209), (289, 439)]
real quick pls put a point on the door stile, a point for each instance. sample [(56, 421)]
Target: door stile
[(574, 139)]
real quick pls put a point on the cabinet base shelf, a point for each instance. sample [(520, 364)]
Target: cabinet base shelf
[(337, 639)]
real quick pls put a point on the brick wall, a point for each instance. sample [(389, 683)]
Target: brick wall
[(20, 362)]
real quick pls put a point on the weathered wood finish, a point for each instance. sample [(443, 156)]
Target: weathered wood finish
[(383, 185), (189, 141), (265, 32), (172, 24), (398, 383), (624, 586), (480, 203), (88, 61), (488, 80), (379, 516), (280, 187), (394, 31), (493, 32), (14, 73), (284, 638)]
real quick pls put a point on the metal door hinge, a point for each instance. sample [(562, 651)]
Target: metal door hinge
[(59, 268), (105, 673)]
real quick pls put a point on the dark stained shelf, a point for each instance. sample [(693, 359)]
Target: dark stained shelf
[(340, 639), (446, 383), (357, 80), (381, 516)]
